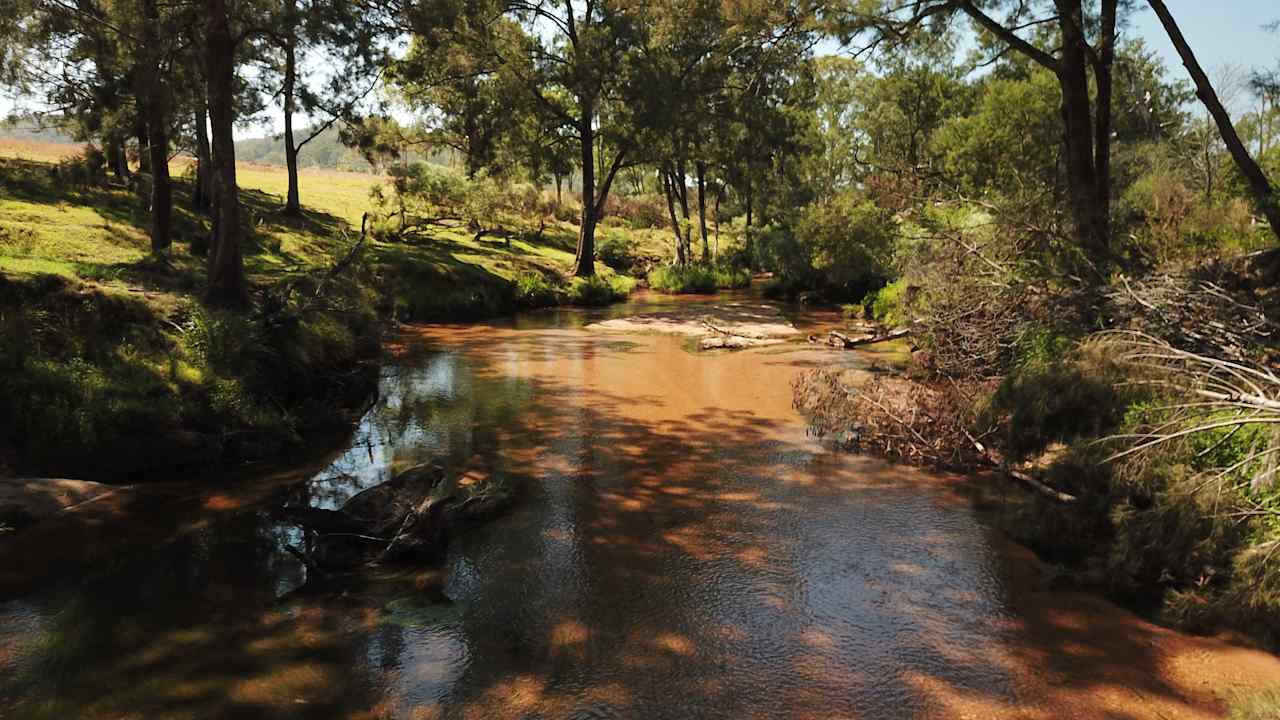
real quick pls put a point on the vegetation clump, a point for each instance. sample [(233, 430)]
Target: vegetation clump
[(698, 279)]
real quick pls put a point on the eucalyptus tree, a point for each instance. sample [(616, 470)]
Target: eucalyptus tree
[(103, 65), (334, 34), (1075, 40), (1264, 193), (571, 65)]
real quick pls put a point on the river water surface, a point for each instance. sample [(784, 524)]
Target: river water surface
[(680, 548)]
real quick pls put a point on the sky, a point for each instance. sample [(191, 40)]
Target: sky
[(1223, 33)]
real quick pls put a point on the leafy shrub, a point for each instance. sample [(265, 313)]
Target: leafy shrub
[(641, 212), (842, 247), (535, 290), (617, 250), (887, 305), (698, 279), (598, 290), (1040, 404)]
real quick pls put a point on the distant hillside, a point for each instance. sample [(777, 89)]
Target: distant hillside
[(24, 129), (326, 151)]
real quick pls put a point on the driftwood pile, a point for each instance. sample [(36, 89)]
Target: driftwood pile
[(408, 519)]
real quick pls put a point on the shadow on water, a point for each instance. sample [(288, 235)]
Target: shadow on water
[(681, 549)]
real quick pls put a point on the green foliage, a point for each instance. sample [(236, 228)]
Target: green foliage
[(598, 290), (697, 279), (1172, 221), (842, 247), (1062, 400), (1011, 142), (887, 305), (618, 250), (537, 290)]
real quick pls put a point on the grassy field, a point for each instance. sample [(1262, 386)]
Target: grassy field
[(100, 234)]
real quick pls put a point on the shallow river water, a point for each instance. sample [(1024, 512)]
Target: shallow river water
[(680, 548)]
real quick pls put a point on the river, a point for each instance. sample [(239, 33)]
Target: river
[(680, 548)]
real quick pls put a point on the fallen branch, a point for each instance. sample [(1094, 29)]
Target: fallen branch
[(839, 339)]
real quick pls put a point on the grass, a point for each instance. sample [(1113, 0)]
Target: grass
[(111, 366), (697, 279)]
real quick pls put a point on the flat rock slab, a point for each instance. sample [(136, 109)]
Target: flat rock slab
[(27, 500), (732, 325)]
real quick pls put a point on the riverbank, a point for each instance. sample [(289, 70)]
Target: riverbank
[(681, 545), (114, 369)]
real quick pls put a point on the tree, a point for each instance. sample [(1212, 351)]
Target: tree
[(571, 65), (227, 284), (336, 31), (1259, 185), (1085, 46)]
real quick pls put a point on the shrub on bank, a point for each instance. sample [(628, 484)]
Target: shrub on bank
[(697, 278), (535, 290), (89, 374)]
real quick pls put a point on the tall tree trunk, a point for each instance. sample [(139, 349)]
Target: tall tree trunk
[(748, 241), (116, 158), (681, 183), (292, 205), (585, 262), (559, 183), (702, 209), (1088, 215), (140, 132), (226, 266), (202, 197), (668, 189), (1259, 185), (1102, 74), (157, 136)]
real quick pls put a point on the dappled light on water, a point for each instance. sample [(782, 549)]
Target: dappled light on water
[(680, 548)]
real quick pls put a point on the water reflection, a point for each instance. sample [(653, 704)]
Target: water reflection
[(681, 548)]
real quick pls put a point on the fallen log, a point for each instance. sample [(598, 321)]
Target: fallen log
[(839, 339), (1050, 492), (406, 519)]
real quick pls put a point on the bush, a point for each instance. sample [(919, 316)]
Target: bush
[(535, 290), (842, 248), (888, 304), (1040, 404), (597, 290), (697, 279), (641, 212), (617, 250)]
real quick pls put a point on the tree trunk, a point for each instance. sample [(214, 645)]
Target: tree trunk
[(748, 242), (702, 210), (667, 188), (1102, 72), (1091, 223), (116, 158), (680, 181), (292, 204), (715, 218), (226, 266), (202, 197), (140, 132), (157, 137), (585, 262), (1259, 185), (559, 183)]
